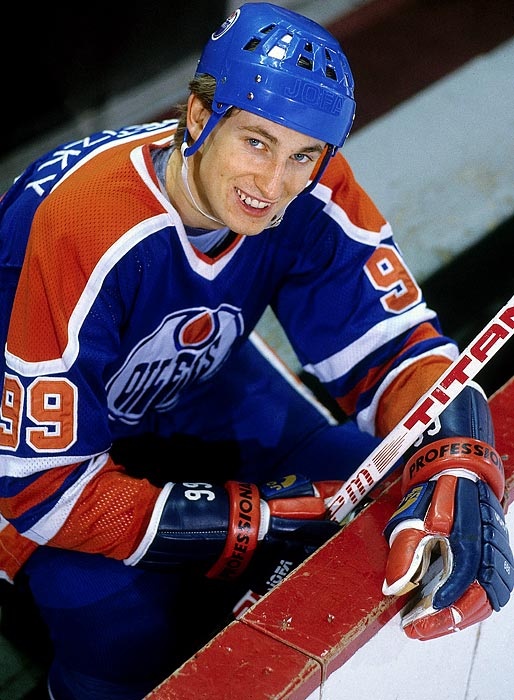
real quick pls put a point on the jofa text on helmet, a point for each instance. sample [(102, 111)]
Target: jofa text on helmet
[(315, 96)]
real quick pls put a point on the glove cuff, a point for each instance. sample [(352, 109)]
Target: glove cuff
[(242, 533), (455, 453)]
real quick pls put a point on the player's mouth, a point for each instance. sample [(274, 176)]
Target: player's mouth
[(257, 205)]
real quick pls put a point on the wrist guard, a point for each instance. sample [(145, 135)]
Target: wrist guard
[(189, 525), (461, 438), (221, 526)]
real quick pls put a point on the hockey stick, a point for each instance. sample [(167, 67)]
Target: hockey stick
[(458, 375), (384, 457)]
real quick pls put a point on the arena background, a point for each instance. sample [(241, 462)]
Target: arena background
[(432, 142)]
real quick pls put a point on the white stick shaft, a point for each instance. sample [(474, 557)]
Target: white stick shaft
[(430, 405)]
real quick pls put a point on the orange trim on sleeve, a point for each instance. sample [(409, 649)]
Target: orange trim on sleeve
[(72, 229), (406, 389), (14, 550), (40, 489), (111, 516)]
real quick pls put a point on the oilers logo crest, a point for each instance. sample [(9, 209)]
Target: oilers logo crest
[(189, 346)]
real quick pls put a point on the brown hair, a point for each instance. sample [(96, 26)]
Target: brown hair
[(203, 86)]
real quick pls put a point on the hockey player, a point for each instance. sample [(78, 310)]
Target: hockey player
[(151, 449)]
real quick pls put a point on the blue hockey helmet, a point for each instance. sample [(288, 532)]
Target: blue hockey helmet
[(281, 66)]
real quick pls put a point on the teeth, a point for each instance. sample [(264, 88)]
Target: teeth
[(255, 203)]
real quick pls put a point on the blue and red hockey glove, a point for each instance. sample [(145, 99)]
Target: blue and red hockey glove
[(220, 527), (448, 536)]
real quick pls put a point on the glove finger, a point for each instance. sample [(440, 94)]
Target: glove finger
[(408, 560), (410, 545), (424, 622), (497, 571), (465, 544), (499, 541), (493, 519), (306, 507), (496, 576), (312, 533), (328, 489)]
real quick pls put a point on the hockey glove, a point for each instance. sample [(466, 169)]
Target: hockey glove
[(222, 526), (448, 535)]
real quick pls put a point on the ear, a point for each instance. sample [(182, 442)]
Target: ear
[(197, 116)]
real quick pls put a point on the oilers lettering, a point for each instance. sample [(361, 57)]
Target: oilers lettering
[(314, 95), (189, 346), (159, 381)]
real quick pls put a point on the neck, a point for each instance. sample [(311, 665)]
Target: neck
[(179, 189)]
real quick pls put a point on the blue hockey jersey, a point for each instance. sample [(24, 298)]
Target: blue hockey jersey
[(110, 314)]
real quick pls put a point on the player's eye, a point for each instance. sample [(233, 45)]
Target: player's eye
[(255, 143), (302, 158)]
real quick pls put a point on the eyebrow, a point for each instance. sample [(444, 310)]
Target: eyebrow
[(318, 148)]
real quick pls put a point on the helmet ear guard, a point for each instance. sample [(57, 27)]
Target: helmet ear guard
[(283, 67)]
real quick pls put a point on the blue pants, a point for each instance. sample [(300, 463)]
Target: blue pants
[(118, 631)]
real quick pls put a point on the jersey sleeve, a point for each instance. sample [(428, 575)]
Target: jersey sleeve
[(353, 311), (76, 281)]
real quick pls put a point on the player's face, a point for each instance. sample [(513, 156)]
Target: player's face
[(249, 169)]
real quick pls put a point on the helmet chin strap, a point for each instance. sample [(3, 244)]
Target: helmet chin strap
[(329, 152), (277, 219), (185, 179)]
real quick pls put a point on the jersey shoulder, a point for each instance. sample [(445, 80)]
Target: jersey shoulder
[(349, 195)]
